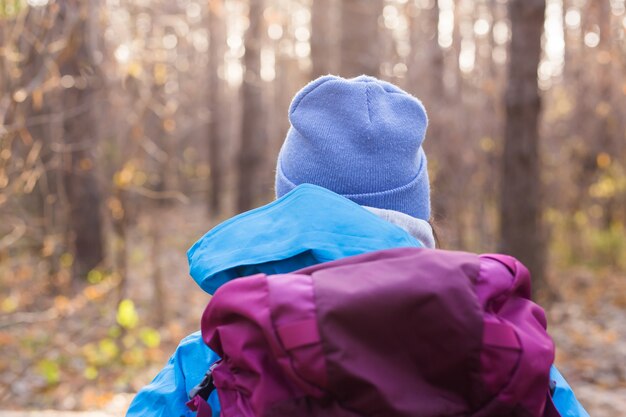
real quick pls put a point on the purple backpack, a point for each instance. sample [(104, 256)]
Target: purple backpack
[(401, 332)]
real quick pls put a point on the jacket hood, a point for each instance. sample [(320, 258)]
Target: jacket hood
[(307, 226)]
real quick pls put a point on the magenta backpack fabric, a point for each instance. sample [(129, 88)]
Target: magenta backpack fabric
[(401, 332)]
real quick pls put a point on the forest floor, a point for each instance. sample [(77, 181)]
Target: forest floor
[(84, 353)]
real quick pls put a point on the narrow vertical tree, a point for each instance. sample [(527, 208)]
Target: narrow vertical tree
[(521, 233), (360, 42), (425, 80), (323, 37), (426, 62), (81, 138), (251, 159), (216, 148), (606, 130), (28, 75), (576, 72)]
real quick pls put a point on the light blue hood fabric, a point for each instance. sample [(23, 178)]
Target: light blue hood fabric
[(563, 396), (307, 226)]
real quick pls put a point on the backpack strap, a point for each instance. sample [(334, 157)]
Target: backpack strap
[(199, 395), (550, 410)]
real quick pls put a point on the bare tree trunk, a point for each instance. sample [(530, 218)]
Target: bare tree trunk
[(576, 71), (81, 137), (251, 157), (434, 56), (51, 190), (41, 140), (360, 42), (216, 150), (521, 234), (159, 299), (606, 133), (323, 45), (425, 79)]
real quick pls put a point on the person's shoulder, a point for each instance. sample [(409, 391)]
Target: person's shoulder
[(193, 344), (192, 338)]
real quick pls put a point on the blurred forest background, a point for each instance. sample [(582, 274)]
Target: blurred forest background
[(129, 127)]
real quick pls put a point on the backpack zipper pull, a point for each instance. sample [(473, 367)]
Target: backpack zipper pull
[(206, 386)]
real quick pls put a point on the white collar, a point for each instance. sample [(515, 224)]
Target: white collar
[(418, 228)]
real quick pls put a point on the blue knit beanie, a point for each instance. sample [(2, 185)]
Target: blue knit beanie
[(361, 138)]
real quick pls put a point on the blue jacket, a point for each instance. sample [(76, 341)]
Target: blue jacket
[(307, 226)]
